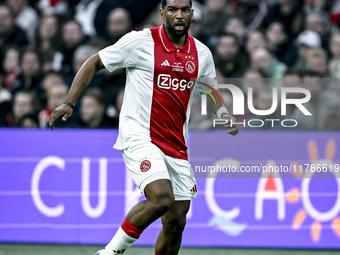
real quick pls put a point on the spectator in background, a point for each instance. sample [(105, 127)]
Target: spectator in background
[(28, 121), (321, 103), (332, 120), (264, 101), (10, 34), (23, 103), (50, 79), (228, 58), (25, 17), (284, 20), (98, 43), (114, 107), (317, 61), (195, 29), (85, 13), (292, 79), (47, 42), (334, 64), (262, 60), (279, 44), (93, 110), (81, 54), (255, 40), (255, 80), (11, 66), (72, 37), (5, 102), (118, 24), (251, 11), (55, 96), (51, 61), (235, 25), (47, 35), (214, 18), (286, 12), (53, 7), (30, 77), (306, 40), (319, 22)]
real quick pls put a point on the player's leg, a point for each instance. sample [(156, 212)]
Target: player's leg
[(159, 200), (148, 170), (184, 189), (170, 237)]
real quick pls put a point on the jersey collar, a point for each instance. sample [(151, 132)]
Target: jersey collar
[(168, 46)]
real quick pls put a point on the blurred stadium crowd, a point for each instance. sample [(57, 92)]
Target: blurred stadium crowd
[(256, 43)]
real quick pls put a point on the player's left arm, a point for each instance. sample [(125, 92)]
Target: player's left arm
[(215, 102), (221, 111)]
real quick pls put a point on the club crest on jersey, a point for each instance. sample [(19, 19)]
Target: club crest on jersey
[(190, 66), (145, 165)]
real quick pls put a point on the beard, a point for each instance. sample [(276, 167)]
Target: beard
[(176, 34)]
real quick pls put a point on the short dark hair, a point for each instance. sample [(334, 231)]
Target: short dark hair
[(227, 34), (98, 94), (31, 116), (164, 4), (30, 50)]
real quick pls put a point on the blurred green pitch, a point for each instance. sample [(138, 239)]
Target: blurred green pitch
[(43, 249)]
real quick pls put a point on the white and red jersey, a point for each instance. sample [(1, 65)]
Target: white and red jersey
[(159, 87)]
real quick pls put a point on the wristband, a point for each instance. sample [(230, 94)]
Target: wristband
[(221, 111), (69, 104)]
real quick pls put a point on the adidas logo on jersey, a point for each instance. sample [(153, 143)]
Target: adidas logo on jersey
[(194, 189), (165, 63)]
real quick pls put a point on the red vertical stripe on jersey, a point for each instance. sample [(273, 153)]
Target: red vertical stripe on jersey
[(173, 71)]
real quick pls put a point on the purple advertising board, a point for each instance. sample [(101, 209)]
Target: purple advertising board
[(71, 186)]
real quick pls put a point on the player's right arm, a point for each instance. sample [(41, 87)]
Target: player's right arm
[(80, 82), (120, 55)]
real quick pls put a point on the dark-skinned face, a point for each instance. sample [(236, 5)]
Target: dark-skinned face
[(177, 16)]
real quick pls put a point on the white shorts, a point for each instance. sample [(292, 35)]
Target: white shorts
[(147, 163)]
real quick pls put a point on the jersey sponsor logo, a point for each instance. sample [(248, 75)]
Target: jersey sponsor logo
[(190, 66), (145, 165), (165, 81), (165, 63), (176, 67)]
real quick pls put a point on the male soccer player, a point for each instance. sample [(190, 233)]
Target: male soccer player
[(161, 63)]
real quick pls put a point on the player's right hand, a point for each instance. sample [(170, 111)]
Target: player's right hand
[(63, 110)]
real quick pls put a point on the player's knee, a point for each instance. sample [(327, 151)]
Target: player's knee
[(163, 201), (175, 225)]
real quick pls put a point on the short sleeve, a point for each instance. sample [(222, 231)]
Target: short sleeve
[(208, 70), (124, 53), (207, 74)]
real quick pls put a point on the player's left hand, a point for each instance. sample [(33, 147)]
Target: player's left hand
[(233, 129)]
